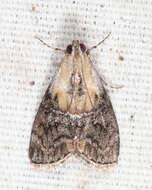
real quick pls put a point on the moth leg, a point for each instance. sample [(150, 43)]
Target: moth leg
[(110, 84), (103, 78)]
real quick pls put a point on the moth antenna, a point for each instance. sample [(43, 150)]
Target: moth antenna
[(88, 51), (56, 49)]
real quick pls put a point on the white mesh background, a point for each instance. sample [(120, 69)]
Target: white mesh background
[(24, 59)]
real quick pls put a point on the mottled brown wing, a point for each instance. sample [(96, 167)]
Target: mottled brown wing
[(98, 142), (51, 136)]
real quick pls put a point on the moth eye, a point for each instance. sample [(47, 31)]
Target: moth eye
[(69, 49), (82, 47)]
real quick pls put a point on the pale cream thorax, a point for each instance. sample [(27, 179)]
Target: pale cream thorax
[(75, 67)]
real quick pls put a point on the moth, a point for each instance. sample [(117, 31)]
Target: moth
[(76, 116)]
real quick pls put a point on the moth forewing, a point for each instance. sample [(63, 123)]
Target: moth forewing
[(76, 116)]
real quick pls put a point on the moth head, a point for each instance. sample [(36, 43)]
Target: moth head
[(76, 48)]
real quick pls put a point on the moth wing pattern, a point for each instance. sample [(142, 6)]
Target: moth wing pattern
[(76, 116), (99, 139), (51, 137)]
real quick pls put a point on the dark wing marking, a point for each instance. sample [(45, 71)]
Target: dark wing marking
[(51, 136), (98, 142)]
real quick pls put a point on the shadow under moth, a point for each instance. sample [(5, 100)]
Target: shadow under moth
[(76, 116)]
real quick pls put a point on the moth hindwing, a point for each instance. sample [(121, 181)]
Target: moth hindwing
[(75, 116)]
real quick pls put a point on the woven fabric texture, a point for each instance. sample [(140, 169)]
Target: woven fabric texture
[(26, 69)]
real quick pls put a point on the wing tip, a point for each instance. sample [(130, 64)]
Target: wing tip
[(49, 165), (92, 164)]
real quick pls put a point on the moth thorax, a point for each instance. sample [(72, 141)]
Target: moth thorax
[(76, 78)]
